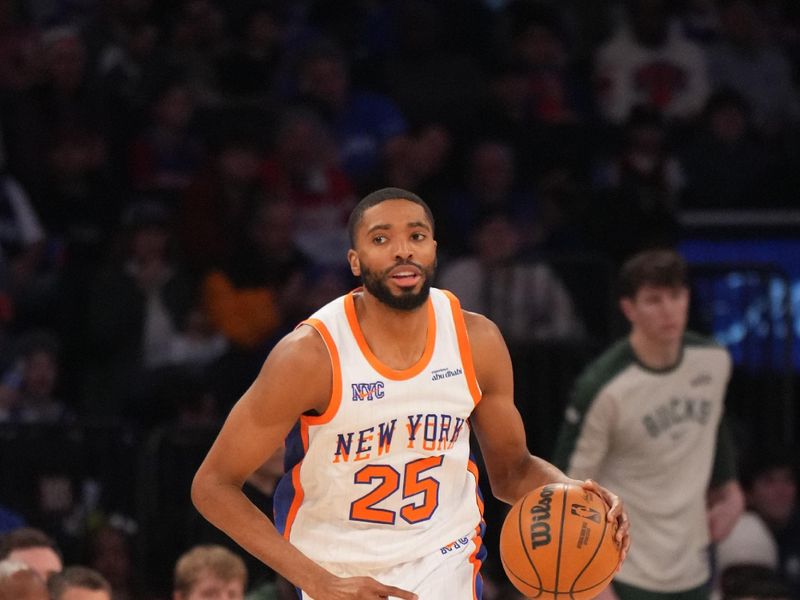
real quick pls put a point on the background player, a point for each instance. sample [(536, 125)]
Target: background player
[(646, 418)]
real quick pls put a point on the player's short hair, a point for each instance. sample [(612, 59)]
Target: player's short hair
[(375, 198), (24, 538), (77, 577), (657, 267), (220, 561)]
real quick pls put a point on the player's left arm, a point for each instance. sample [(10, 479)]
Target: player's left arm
[(512, 469), (726, 501)]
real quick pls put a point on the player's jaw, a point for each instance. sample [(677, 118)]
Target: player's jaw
[(403, 286)]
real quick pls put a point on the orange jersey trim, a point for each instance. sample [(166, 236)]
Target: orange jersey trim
[(464, 347), (336, 384), (476, 563), (298, 487), (305, 421), (473, 559), (374, 361)]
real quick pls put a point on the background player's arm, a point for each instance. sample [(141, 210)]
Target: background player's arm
[(726, 501), (295, 378), (726, 505)]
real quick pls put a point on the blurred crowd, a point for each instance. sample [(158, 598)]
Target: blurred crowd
[(175, 177)]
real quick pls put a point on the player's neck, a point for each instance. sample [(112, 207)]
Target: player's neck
[(396, 337), (655, 354)]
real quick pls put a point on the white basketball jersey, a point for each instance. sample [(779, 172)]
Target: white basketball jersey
[(385, 475)]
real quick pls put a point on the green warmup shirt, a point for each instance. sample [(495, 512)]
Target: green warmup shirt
[(650, 437)]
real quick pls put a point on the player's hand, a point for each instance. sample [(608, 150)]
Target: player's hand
[(362, 588), (727, 503), (616, 514)]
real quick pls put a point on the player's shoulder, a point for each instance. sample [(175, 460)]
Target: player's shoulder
[(480, 328), (692, 339), (706, 349), (604, 369), (614, 359), (304, 346)]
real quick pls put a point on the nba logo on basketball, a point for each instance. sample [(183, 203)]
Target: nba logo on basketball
[(367, 391), (587, 513)]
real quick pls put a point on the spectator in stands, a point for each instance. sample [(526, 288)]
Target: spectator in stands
[(209, 571), (560, 95), (726, 165), (429, 76), (753, 583), (505, 112), (111, 557), (138, 304), (19, 582), (749, 547), (33, 381), (303, 168), (649, 61), (491, 185), (197, 37), (256, 295), (165, 157), (22, 236), (525, 299), (746, 60), (246, 72), (246, 298), (64, 99), (128, 60), (770, 484), (423, 163), (638, 189), (368, 128), (562, 202), (219, 202), (537, 38), (34, 548), (78, 583)]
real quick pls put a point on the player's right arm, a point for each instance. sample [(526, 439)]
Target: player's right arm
[(295, 379)]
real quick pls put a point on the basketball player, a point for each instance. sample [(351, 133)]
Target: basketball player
[(646, 418), (378, 392)]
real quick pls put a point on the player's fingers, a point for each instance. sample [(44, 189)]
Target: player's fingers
[(612, 500), (394, 592)]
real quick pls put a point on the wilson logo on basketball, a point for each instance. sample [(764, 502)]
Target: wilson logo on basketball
[(586, 512), (540, 519)]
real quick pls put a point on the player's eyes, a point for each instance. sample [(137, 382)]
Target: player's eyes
[(379, 239), (417, 237)]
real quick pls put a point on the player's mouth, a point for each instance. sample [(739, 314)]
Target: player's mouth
[(405, 276)]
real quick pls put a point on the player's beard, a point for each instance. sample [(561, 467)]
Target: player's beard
[(407, 299)]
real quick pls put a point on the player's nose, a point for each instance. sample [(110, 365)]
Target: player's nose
[(403, 250)]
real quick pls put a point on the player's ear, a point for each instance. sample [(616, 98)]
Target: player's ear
[(626, 306), (355, 264)]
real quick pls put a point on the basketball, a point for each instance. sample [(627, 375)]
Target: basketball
[(556, 544)]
